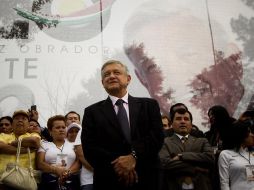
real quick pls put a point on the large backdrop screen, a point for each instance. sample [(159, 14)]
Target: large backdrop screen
[(198, 52)]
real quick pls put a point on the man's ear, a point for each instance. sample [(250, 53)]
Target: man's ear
[(128, 79)]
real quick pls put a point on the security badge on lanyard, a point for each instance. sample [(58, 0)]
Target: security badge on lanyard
[(250, 172), (61, 160), (248, 168)]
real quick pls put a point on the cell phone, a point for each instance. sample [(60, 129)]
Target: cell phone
[(33, 107)]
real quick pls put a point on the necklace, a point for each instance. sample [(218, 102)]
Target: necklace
[(60, 147)]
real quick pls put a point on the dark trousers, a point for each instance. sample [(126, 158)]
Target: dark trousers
[(50, 182)]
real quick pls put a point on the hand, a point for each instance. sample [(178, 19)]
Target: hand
[(175, 158), (124, 164), (124, 167), (60, 172), (66, 174), (129, 179), (33, 114)]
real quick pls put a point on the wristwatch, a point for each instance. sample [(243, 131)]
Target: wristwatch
[(133, 153)]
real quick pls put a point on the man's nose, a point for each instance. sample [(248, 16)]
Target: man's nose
[(183, 120)]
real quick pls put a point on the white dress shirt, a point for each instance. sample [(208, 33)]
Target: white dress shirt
[(125, 104)]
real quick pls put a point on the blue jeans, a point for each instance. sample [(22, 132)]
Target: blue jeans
[(87, 187)]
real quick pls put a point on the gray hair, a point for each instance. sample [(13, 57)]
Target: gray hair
[(110, 62)]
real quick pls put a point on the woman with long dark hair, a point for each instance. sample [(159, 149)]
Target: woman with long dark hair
[(236, 165)]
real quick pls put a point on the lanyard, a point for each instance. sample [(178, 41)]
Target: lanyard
[(61, 149), (245, 158)]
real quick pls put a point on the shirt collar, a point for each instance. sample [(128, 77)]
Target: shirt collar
[(124, 98), (180, 136)]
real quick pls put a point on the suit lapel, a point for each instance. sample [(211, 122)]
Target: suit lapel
[(189, 143), (134, 109), (178, 142), (110, 114)]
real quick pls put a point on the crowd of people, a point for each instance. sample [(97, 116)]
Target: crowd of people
[(124, 143)]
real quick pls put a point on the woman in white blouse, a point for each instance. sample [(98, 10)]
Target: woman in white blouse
[(57, 159), (236, 166)]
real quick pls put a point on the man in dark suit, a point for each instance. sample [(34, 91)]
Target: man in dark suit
[(122, 160), (186, 159)]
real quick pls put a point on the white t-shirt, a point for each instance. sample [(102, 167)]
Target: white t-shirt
[(63, 156), (86, 176)]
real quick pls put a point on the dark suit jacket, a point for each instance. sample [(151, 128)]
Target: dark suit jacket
[(103, 141), (196, 153)]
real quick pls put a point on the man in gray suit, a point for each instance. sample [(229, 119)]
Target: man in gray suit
[(185, 159)]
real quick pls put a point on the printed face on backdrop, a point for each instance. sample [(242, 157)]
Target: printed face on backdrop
[(174, 60)]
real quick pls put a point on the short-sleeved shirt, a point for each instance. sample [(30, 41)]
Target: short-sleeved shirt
[(86, 176), (53, 153), (11, 158)]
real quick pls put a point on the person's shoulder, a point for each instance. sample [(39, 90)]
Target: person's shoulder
[(46, 146), (7, 137), (45, 143), (228, 154), (169, 139), (33, 134), (198, 139), (143, 99), (95, 105), (207, 133), (228, 151), (68, 143)]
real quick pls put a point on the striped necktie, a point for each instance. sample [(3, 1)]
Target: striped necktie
[(184, 139)]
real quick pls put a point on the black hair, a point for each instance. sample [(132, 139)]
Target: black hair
[(174, 107), (180, 111), (71, 112), (239, 131), (221, 116), (35, 122), (9, 118), (248, 113)]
